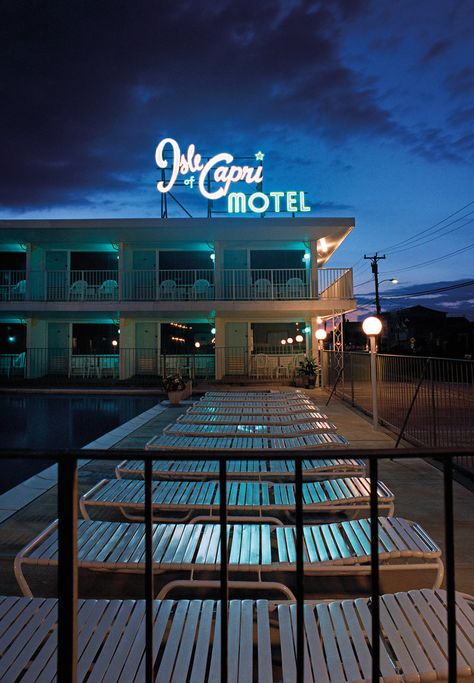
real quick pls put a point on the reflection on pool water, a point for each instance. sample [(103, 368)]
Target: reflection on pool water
[(59, 421)]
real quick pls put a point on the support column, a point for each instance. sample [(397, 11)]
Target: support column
[(220, 348), (127, 348), (313, 344), (313, 270)]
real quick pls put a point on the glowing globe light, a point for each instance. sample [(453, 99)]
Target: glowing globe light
[(321, 334), (372, 326), (213, 330), (299, 338), (306, 330), (114, 342), (289, 340), (197, 345), (283, 342)]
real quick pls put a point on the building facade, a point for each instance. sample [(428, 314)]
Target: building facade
[(214, 297)]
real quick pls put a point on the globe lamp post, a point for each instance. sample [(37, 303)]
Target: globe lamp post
[(372, 327), (321, 335)]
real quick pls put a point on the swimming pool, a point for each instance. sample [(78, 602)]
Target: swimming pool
[(59, 421)]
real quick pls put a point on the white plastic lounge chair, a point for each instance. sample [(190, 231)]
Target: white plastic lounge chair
[(246, 442), (261, 641), (260, 500), (313, 416), (200, 408), (80, 289), (201, 289), (243, 469), (340, 548), (236, 429), (258, 395), (243, 400), (108, 290)]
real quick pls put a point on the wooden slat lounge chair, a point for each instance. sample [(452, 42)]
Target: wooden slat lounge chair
[(243, 469), (313, 416), (261, 645), (261, 501), (259, 550), (186, 429), (244, 442)]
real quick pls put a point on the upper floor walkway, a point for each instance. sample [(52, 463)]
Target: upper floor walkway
[(213, 284)]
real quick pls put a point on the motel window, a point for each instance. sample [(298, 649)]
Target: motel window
[(277, 259), (94, 260)]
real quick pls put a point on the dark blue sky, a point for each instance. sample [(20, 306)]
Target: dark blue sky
[(367, 105)]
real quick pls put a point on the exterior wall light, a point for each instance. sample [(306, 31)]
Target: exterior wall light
[(213, 330), (114, 343), (372, 326), (197, 345), (212, 256), (307, 257), (306, 330)]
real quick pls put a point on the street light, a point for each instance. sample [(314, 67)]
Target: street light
[(372, 326), (321, 335)]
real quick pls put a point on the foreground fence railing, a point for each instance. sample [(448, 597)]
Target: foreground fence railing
[(67, 546)]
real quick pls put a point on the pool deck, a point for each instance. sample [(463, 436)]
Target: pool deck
[(417, 485)]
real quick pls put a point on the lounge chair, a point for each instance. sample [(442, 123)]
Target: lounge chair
[(261, 501), (261, 641), (245, 442), (244, 400), (255, 430), (200, 408), (269, 418), (243, 469), (258, 395), (340, 548)]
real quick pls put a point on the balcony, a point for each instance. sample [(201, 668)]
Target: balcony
[(176, 285)]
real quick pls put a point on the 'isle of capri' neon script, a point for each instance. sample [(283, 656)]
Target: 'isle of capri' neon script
[(221, 171)]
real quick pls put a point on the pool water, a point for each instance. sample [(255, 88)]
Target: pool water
[(58, 421)]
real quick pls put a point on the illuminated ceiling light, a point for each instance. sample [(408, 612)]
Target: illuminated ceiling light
[(299, 338), (323, 245), (319, 320), (289, 340), (283, 342)]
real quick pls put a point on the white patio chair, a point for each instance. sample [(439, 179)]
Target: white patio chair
[(168, 290), (262, 288), (201, 289), (80, 289), (294, 288), (108, 290)]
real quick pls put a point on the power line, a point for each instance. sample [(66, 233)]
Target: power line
[(413, 245), (415, 236), (439, 258)]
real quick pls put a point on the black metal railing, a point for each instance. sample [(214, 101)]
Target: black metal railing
[(67, 543)]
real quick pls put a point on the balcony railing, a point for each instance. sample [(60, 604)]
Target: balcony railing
[(249, 284)]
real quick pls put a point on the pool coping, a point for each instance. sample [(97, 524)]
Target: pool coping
[(25, 493)]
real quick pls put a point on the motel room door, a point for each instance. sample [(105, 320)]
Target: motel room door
[(236, 348)]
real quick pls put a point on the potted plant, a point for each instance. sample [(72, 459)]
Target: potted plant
[(308, 369), (177, 388)]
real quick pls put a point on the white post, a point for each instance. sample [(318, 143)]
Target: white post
[(373, 378)]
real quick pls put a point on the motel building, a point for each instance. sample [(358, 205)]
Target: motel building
[(239, 296)]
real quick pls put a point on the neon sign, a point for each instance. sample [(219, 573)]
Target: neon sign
[(221, 170)]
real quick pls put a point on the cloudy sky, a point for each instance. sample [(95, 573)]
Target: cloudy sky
[(365, 104)]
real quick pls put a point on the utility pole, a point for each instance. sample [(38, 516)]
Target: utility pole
[(374, 262)]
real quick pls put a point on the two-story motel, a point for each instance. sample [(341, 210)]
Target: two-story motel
[(214, 297)]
